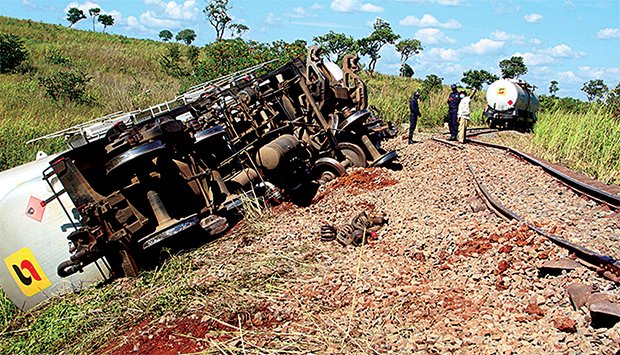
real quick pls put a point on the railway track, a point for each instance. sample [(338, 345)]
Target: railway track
[(605, 265), (601, 193)]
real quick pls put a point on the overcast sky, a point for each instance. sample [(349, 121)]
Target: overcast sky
[(570, 41)]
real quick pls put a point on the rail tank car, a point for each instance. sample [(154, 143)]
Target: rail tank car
[(133, 183), (511, 104)]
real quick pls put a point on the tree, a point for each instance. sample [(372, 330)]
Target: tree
[(12, 52), (512, 68), (474, 79), (165, 35), (94, 13), (613, 101), (187, 35), (594, 89), (381, 35), (336, 44), (238, 29), (217, 15), (432, 83), (407, 48), (553, 88), (74, 15), (406, 70), (106, 20)]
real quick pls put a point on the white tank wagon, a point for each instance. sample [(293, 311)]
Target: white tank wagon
[(511, 104), (34, 229)]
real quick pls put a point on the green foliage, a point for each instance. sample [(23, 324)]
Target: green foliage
[(172, 63), (216, 12), (12, 52), (431, 84), (74, 15), (406, 71), (513, 67), (474, 79), (564, 104), (187, 36), (613, 101), (594, 89), (106, 20), (553, 87), (57, 57), (238, 29), (381, 35), (336, 44), (67, 85), (165, 35), (407, 48), (192, 55)]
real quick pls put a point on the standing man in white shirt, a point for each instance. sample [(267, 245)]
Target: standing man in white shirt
[(463, 114)]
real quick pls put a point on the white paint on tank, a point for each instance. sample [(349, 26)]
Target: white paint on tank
[(504, 95), (45, 239)]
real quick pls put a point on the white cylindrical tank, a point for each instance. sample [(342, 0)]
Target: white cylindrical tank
[(504, 95)]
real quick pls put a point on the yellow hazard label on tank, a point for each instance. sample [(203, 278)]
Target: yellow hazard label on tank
[(27, 272), (501, 91)]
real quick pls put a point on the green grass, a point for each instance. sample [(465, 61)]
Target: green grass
[(126, 75), (390, 94), (588, 142)]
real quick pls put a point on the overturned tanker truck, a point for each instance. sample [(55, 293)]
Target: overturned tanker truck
[(138, 180)]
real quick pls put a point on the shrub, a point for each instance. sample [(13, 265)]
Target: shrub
[(12, 52), (67, 84), (57, 57)]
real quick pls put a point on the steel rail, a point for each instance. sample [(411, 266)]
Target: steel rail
[(608, 266), (448, 143), (602, 196)]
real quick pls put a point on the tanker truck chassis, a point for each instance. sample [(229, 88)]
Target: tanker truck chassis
[(139, 180)]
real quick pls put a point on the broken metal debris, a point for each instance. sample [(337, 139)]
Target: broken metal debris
[(556, 267), (141, 178), (363, 227), (603, 312)]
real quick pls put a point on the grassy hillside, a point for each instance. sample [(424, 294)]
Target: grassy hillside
[(125, 75)]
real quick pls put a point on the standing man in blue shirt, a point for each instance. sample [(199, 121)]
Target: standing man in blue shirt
[(414, 115), (453, 107)]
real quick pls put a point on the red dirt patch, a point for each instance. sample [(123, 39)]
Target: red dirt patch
[(534, 310), (190, 333), (360, 181), (477, 245)]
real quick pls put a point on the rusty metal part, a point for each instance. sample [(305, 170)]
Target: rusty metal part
[(555, 267), (378, 158), (213, 224), (345, 234), (611, 265), (354, 155), (245, 176), (269, 155), (449, 143), (604, 314), (578, 294), (326, 169), (328, 233), (605, 197)]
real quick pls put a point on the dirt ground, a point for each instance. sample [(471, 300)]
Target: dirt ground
[(444, 275)]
